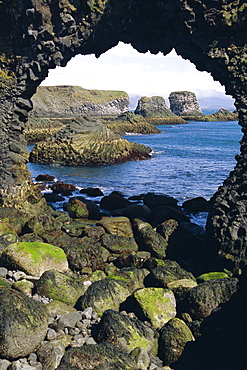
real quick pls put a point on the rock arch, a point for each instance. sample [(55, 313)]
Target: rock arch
[(36, 35)]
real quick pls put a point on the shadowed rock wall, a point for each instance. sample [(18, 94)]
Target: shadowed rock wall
[(36, 35)]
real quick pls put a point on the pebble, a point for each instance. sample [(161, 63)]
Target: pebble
[(3, 272)]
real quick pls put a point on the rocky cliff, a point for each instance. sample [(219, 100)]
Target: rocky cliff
[(184, 103), (67, 101), (155, 110)]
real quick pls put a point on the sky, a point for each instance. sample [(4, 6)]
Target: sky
[(123, 68)]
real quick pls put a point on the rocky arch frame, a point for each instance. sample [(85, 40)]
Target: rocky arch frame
[(36, 35)]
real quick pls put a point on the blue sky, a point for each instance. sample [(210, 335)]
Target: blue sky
[(123, 68)]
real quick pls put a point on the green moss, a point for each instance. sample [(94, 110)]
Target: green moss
[(36, 250), (136, 340), (97, 5), (212, 275)]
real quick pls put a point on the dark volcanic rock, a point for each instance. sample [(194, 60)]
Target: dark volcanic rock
[(45, 178), (23, 324), (164, 213), (103, 356), (153, 200), (114, 201), (198, 204)]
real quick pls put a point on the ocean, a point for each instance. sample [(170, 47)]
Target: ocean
[(188, 160)]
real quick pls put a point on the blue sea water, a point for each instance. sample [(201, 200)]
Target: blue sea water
[(188, 160)]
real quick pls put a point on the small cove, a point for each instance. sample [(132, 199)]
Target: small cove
[(188, 160)]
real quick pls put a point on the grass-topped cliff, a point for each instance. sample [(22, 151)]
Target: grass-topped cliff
[(67, 101)]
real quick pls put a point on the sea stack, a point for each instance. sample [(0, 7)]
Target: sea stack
[(155, 110), (184, 103)]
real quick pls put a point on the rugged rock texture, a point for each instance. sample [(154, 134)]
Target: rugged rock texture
[(184, 103), (87, 142), (67, 101), (221, 115), (156, 110), (39, 35)]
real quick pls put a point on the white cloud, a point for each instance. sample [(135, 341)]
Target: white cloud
[(123, 68)]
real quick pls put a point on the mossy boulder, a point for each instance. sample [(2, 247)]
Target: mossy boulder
[(160, 276), (172, 340), (79, 207), (126, 332), (158, 305), (24, 286), (34, 258), (119, 243), (61, 287), (181, 287), (117, 226), (132, 278), (152, 242), (23, 324), (206, 297), (101, 356), (103, 295), (43, 223)]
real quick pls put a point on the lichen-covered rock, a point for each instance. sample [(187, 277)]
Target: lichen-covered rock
[(170, 271), (23, 324), (50, 353), (158, 305), (79, 207), (173, 338), (61, 287), (132, 278), (103, 295), (13, 217), (103, 356), (56, 307), (181, 287), (34, 258), (87, 142), (204, 298), (126, 333), (119, 243), (184, 103), (117, 226)]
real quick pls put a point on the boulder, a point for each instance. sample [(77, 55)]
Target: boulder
[(102, 356), (86, 252), (63, 188), (166, 228), (43, 223), (126, 332), (50, 353), (119, 243), (92, 192), (53, 197), (158, 305), (172, 340), (206, 297), (181, 287), (160, 276), (60, 308), (61, 287), (34, 258), (79, 207), (45, 177), (198, 204), (186, 242), (117, 226), (164, 213), (139, 211), (114, 201), (154, 200), (153, 242), (103, 295), (23, 324), (131, 278)]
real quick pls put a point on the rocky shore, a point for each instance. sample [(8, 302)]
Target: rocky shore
[(109, 284)]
